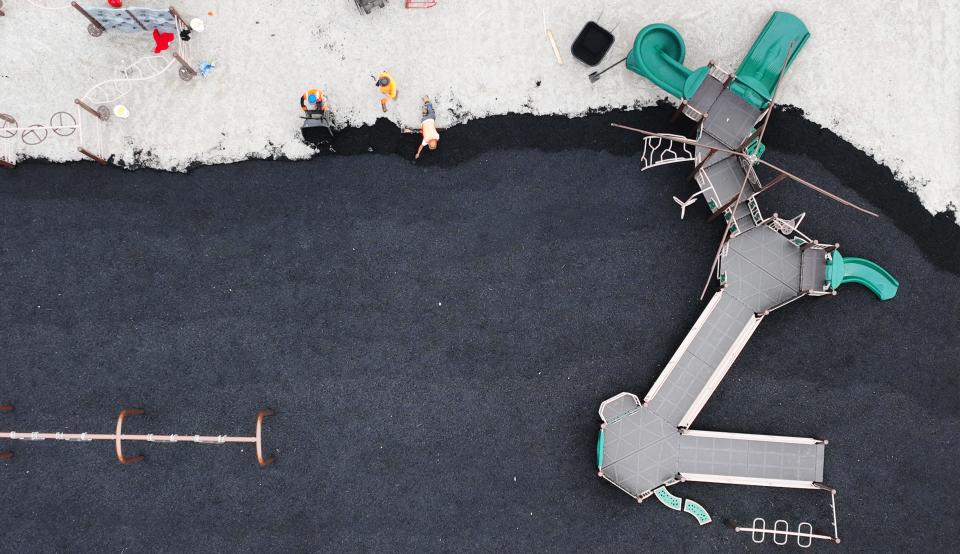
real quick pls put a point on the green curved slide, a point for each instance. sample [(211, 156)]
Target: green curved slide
[(842, 270), (757, 76), (657, 54)]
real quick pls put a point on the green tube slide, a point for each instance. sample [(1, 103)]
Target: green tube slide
[(842, 270), (657, 54)]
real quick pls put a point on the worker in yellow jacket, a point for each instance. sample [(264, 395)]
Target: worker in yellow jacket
[(388, 87)]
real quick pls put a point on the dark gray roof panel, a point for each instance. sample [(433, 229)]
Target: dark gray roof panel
[(731, 119)]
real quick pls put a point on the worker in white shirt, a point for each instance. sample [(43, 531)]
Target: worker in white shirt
[(428, 127)]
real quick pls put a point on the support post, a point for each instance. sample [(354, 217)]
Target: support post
[(186, 67), (6, 408), (700, 165), (183, 22), (823, 487), (679, 111), (119, 433), (722, 209), (89, 109), (772, 182), (92, 156), (93, 20)]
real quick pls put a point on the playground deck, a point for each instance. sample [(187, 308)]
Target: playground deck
[(643, 450)]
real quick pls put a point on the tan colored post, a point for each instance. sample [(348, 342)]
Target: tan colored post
[(119, 433), (260, 415)]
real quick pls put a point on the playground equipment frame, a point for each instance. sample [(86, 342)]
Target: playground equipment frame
[(87, 102), (760, 529), (118, 436)]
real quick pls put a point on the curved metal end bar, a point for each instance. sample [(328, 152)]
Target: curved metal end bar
[(6, 454), (123, 414), (260, 415)]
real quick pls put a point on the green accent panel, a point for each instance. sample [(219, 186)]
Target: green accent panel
[(756, 146), (668, 499), (600, 450), (759, 73), (696, 510)]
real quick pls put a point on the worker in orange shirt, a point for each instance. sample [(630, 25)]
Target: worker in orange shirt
[(388, 87), (313, 101), (428, 128)]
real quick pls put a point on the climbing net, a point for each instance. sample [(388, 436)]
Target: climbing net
[(661, 150), (144, 69)]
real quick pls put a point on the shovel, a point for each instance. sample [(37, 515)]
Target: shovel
[(595, 76)]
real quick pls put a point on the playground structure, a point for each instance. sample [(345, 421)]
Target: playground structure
[(781, 532), (762, 264), (93, 108), (118, 436)]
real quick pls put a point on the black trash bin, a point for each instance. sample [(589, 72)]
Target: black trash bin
[(592, 44)]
